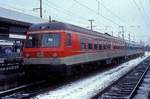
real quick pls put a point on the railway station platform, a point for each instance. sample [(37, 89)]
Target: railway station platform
[(13, 28)]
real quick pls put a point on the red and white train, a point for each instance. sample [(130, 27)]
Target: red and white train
[(59, 47)]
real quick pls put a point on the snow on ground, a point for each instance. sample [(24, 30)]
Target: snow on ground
[(87, 87), (147, 53)]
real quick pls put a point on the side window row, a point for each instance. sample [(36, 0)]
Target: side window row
[(87, 44), (90, 45), (68, 39), (99, 46), (118, 47)]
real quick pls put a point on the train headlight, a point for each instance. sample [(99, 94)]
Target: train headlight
[(40, 54), (54, 55), (27, 55)]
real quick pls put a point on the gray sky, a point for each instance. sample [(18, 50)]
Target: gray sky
[(132, 14)]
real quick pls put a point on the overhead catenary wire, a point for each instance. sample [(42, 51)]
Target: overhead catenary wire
[(31, 12), (140, 11), (66, 11), (81, 21), (148, 3), (23, 10), (145, 13), (112, 13), (96, 12), (80, 18)]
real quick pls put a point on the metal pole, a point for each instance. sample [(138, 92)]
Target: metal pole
[(122, 28), (50, 19), (129, 37), (112, 33), (98, 6), (41, 9), (91, 24)]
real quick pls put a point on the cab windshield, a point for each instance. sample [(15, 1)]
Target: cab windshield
[(43, 40)]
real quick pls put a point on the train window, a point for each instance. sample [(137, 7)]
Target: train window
[(83, 43), (109, 46), (95, 46), (100, 47), (89, 46), (51, 40), (33, 40), (104, 46), (43, 40), (68, 41)]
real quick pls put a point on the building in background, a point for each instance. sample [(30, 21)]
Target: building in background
[(13, 27)]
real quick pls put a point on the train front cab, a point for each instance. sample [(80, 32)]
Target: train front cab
[(43, 51)]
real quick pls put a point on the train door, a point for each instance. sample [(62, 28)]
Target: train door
[(68, 44), (72, 44)]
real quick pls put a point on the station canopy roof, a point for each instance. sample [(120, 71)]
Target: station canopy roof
[(14, 17)]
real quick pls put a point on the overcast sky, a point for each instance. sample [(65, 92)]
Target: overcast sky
[(132, 14)]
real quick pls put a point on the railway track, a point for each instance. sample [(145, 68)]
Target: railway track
[(23, 91), (32, 89), (127, 86)]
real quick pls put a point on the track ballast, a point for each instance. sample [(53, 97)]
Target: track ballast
[(127, 86)]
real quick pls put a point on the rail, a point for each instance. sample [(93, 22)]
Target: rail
[(23, 91), (138, 84), (127, 86)]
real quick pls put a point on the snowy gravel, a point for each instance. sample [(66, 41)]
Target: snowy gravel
[(87, 87)]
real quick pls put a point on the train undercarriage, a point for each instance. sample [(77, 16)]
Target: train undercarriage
[(75, 69)]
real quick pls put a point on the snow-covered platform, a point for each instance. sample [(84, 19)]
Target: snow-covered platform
[(88, 87)]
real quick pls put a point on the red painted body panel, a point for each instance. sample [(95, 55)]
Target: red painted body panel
[(86, 47), (75, 49), (61, 51)]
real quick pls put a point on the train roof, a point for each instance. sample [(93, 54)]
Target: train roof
[(65, 26), (61, 26), (55, 25)]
